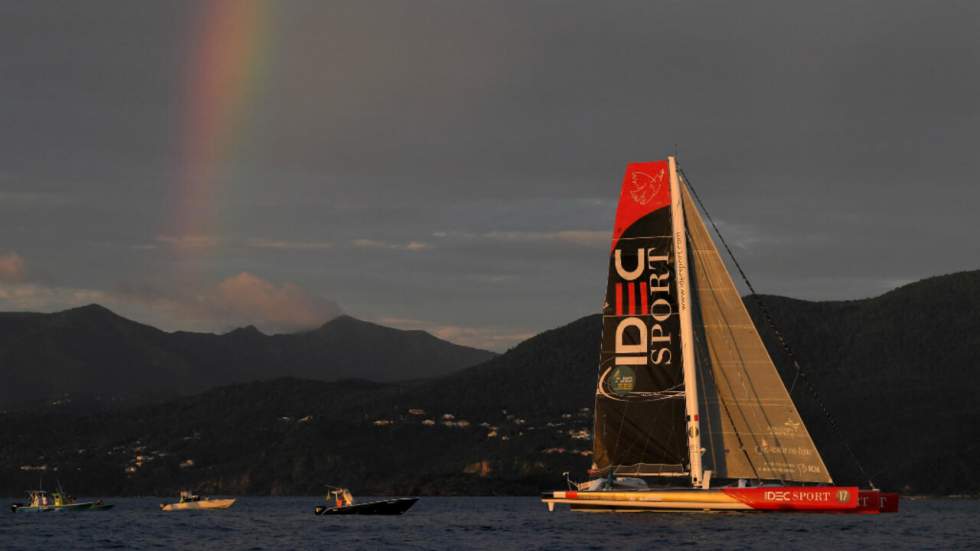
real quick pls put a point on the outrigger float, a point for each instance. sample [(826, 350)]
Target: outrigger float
[(41, 502), (690, 412)]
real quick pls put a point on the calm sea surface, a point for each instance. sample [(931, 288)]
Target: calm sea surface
[(284, 523)]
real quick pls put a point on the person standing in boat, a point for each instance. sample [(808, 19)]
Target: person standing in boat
[(342, 498)]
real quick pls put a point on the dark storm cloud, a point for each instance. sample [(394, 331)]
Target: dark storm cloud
[(451, 163)]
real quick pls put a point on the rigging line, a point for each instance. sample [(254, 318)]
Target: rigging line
[(738, 437), (796, 378), (702, 364), (595, 404), (648, 439), (622, 420), (747, 388), (619, 432), (706, 414), (725, 406), (800, 374)]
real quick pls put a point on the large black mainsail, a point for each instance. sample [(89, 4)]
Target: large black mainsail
[(640, 411)]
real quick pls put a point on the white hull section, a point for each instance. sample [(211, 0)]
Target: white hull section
[(204, 504)]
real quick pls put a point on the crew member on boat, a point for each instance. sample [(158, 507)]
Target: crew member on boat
[(342, 498)]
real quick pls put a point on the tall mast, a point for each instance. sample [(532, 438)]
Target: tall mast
[(687, 327)]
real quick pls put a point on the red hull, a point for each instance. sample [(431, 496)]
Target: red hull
[(873, 501), (822, 499), (797, 498)]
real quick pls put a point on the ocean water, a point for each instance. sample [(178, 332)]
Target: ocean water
[(284, 523)]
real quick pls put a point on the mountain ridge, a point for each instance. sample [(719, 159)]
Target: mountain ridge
[(93, 351), (512, 424)]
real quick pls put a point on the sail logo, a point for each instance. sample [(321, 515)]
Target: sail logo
[(644, 187), (647, 344), (622, 379), (789, 428)]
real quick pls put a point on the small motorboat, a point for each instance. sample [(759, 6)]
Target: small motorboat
[(343, 504), (188, 501), (41, 502)]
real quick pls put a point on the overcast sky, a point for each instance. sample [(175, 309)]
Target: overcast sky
[(453, 166)]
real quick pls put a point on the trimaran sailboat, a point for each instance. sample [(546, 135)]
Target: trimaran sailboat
[(687, 393)]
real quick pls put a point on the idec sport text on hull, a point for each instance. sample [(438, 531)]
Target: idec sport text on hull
[(654, 344), (797, 496)]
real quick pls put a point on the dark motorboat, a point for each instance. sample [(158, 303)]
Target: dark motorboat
[(395, 506), (343, 504)]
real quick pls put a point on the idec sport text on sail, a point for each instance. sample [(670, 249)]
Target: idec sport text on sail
[(653, 271)]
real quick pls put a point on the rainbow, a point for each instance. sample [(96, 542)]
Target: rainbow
[(228, 51)]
